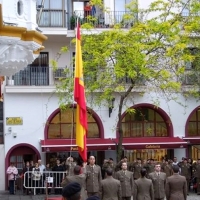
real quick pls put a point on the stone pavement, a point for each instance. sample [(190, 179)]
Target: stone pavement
[(4, 195)]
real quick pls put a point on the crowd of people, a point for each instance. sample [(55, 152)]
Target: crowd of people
[(139, 179)]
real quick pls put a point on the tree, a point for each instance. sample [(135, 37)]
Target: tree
[(153, 50)]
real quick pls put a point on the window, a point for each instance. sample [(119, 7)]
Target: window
[(193, 128), (35, 74), (20, 8), (63, 125), (193, 65), (18, 161), (144, 122)]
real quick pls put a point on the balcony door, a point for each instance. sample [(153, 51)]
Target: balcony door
[(53, 13), (35, 74)]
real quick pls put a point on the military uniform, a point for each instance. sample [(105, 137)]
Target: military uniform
[(197, 175), (81, 179), (143, 189), (176, 187), (185, 171), (127, 183), (158, 180), (93, 180), (136, 169), (108, 165), (110, 189), (167, 169)]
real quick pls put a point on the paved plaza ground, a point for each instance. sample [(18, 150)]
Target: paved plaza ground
[(4, 195)]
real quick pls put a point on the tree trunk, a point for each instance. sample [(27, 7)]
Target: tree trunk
[(119, 149)]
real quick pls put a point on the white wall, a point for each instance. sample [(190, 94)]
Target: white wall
[(27, 19), (2, 168), (179, 153), (35, 110)]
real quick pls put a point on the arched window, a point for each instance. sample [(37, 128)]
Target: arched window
[(193, 125), (144, 122), (63, 125), (20, 8)]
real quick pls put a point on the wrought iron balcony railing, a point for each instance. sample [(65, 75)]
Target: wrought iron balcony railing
[(60, 18), (37, 76), (102, 19)]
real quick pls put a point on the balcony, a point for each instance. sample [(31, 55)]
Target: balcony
[(60, 18), (37, 76), (190, 77), (53, 18), (102, 19)]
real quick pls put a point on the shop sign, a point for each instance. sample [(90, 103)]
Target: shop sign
[(74, 148), (14, 120), (152, 146)]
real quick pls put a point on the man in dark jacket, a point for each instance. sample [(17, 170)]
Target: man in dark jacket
[(58, 176)]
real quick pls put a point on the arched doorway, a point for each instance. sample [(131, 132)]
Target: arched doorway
[(19, 154)]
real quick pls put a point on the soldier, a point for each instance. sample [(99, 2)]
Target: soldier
[(167, 168), (69, 166), (185, 171), (78, 178), (197, 175), (127, 183), (110, 187), (176, 186), (158, 179), (72, 191), (149, 166), (109, 164), (119, 164), (143, 187), (137, 166), (93, 178)]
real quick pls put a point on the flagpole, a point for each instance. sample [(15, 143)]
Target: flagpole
[(79, 97)]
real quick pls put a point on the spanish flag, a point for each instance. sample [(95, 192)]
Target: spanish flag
[(79, 97)]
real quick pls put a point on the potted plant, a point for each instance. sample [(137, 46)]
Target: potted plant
[(72, 22)]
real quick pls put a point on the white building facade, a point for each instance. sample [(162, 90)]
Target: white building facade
[(34, 126)]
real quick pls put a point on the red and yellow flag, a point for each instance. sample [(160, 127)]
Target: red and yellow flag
[(79, 97)]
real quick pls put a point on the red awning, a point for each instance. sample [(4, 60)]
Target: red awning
[(192, 140), (108, 143)]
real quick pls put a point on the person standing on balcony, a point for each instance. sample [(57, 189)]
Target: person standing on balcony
[(93, 9), (87, 10), (12, 172)]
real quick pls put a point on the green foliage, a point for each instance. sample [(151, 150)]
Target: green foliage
[(152, 52)]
